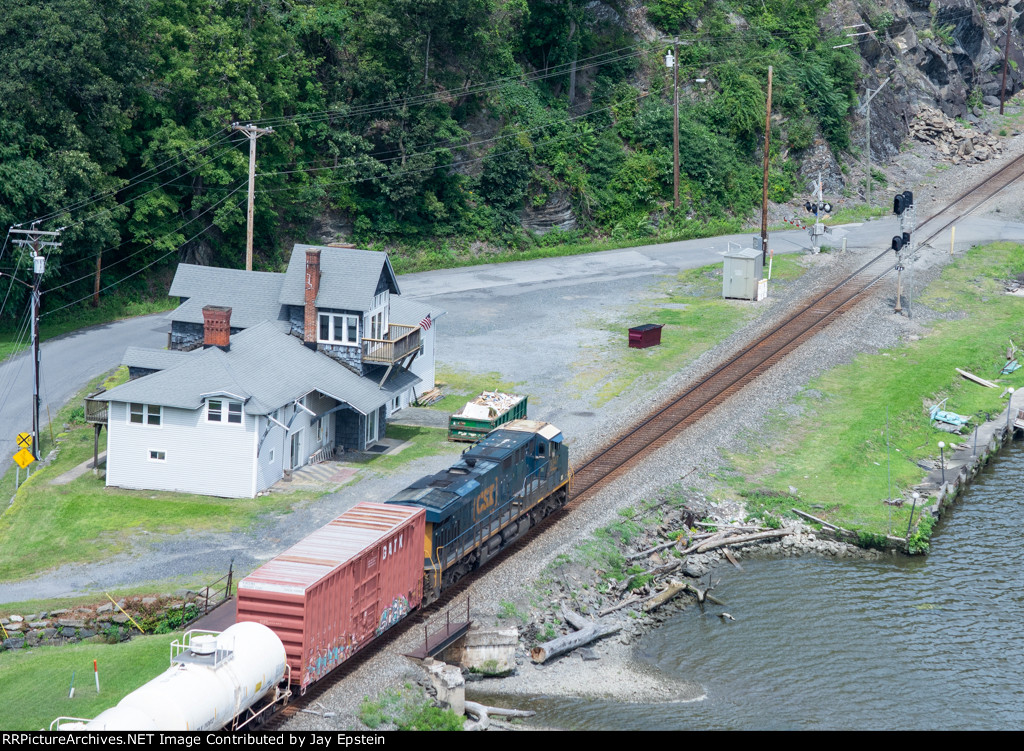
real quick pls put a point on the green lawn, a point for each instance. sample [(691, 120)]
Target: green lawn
[(459, 387), (695, 319), (835, 453), (36, 682)]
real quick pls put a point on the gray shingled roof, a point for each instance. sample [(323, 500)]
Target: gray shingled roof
[(251, 295), (348, 277), (154, 359), (266, 367), (411, 312)]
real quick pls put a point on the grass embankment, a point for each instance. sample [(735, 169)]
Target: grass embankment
[(36, 682), (835, 453), (695, 319)]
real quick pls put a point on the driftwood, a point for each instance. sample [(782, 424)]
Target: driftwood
[(483, 714), (976, 379), (651, 551), (620, 606), (822, 522), (587, 632), (739, 539), (732, 559), (674, 588)]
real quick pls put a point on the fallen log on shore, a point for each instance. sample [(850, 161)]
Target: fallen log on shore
[(587, 631), (483, 714)]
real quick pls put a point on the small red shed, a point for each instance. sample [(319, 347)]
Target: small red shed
[(648, 335), (331, 594)]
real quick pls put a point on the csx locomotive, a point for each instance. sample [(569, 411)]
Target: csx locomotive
[(499, 488)]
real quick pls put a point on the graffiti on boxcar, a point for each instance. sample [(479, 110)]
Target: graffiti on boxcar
[(396, 611), (325, 660)]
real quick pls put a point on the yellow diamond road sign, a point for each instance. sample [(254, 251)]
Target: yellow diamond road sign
[(24, 458), (24, 440)]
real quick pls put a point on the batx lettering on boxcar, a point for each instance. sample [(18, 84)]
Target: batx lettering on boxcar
[(502, 486)]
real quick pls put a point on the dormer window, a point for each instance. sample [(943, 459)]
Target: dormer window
[(337, 328), (224, 410)]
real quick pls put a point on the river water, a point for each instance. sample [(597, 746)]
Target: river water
[(933, 642)]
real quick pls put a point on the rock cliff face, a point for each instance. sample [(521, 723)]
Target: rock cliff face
[(946, 54)]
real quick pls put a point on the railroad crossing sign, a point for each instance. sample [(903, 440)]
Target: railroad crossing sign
[(24, 458), (24, 440)]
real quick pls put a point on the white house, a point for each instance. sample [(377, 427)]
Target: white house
[(299, 365)]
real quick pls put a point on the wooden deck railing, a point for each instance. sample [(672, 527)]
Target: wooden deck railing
[(96, 411), (402, 341)]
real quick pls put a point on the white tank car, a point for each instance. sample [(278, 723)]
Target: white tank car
[(215, 681)]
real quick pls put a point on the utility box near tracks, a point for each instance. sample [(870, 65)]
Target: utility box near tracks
[(741, 274), (648, 335)]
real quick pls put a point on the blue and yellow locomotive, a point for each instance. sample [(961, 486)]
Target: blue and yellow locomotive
[(500, 487)]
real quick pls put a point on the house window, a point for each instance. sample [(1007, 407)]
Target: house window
[(224, 410), (270, 459), (319, 431), (336, 328), (158, 456), (144, 414)]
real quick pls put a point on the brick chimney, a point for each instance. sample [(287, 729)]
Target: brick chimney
[(312, 289), (217, 327)]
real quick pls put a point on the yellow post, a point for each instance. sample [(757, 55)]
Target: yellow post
[(952, 234)]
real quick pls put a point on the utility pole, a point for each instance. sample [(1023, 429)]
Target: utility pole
[(253, 133), (1006, 56), (764, 191), (672, 61), (34, 239), (867, 152)]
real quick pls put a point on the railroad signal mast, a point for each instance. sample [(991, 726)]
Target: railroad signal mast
[(903, 207), (36, 239), (819, 207)]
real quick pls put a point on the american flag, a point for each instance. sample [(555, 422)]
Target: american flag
[(426, 322)]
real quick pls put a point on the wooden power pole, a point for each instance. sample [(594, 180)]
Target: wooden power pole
[(675, 125), (764, 190), (253, 133), (34, 238)]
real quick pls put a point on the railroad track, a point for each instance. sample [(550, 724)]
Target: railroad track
[(639, 441)]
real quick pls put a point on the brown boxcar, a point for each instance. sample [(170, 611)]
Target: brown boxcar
[(331, 594)]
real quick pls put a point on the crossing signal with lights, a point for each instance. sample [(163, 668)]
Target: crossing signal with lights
[(902, 202), (825, 207)]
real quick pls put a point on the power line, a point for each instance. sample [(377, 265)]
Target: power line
[(208, 209), (140, 270), (132, 181)]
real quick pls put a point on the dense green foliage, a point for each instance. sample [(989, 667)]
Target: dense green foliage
[(406, 124)]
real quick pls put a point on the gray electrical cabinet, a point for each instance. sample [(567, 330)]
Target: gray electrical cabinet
[(741, 274)]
